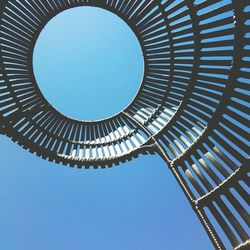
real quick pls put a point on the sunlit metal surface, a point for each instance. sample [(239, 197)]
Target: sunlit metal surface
[(191, 108)]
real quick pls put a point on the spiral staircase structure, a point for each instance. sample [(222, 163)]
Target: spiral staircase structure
[(192, 107)]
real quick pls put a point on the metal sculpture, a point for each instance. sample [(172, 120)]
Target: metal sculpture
[(191, 108)]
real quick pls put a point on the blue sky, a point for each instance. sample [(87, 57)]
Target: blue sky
[(88, 54), (135, 206)]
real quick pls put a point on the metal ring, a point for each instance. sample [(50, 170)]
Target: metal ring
[(42, 129)]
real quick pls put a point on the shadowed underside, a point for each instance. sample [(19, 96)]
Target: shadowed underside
[(191, 108)]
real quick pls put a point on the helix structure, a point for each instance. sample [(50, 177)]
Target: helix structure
[(191, 109)]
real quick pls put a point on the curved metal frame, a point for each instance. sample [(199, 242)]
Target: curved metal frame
[(191, 108)]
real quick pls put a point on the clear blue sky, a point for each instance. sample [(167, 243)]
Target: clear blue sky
[(91, 56), (136, 206)]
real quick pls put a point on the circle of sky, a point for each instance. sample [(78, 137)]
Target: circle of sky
[(93, 65)]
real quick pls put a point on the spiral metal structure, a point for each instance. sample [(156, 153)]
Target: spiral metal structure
[(191, 109)]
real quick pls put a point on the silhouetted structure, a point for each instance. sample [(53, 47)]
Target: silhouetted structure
[(191, 108)]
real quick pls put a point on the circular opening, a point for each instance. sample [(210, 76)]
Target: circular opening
[(88, 63)]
